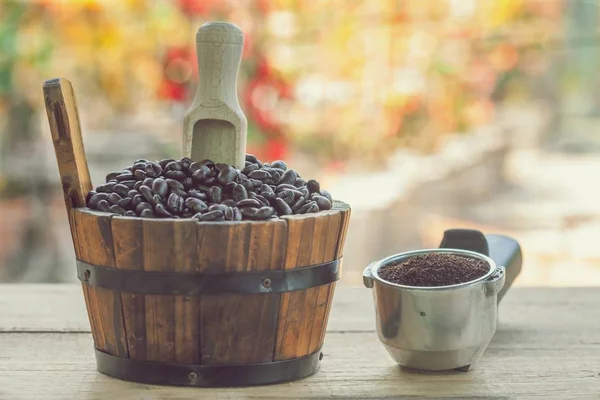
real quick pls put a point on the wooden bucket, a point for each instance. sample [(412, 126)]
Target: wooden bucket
[(182, 302)]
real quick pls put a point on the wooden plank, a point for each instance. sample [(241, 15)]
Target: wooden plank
[(94, 237), (355, 366), (239, 328), (187, 313), (159, 255), (302, 313), (129, 254)]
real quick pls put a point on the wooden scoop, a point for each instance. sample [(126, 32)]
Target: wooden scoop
[(215, 126)]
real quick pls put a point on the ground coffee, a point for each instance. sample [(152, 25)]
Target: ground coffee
[(434, 269)]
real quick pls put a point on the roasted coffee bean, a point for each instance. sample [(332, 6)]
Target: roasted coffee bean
[(172, 183), (177, 175), (249, 212), (256, 184), (188, 182), (220, 166), (147, 193), (270, 196), (147, 213), (226, 174), (139, 165), (228, 214), (323, 202), (299, 182), (237, 214), (314, 208), (304, 191), (275, 177), (141, 160), (139, 174), (179, 192), (220, 207), (125, 203), (251, 158), (121, 190), (210, 181), (265, 188), (261, 199), (158, 169), (116, 209), (288, 177), (132, 193), (215, 194), (106, 188), (194, 167), (163, 163), (148, 182), (308, 206), (149, 170), (90, 194), (160, 187), (103, 206), (93, 202), (137, 199), (185, 163), (197, 194), (326, 194), (126, 176), (208, 163), (313, 186), (285, 186), (141, 207), (112, 175), (298, 203), (279, 164), (247, 184), (201, 174), (239, 192), (248, 203), (137, 185), (130, 213), (173, 166), (197, 206), (287, 196), (161, 211), (228, 187), (259, 174), (282, 207), (129, 184), (175, 203), (156, 199), (250, 168), (215, 215), (229, 202), (114, 198), (264, 213)]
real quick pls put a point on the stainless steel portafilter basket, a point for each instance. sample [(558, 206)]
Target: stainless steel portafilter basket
[(444, 327)]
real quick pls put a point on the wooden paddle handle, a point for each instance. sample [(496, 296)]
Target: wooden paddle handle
[(63, 118), (215, 126), (219, 51)]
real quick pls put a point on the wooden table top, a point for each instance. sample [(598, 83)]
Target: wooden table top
[(547, 346)]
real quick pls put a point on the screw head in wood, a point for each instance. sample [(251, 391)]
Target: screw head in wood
[(266, 282)]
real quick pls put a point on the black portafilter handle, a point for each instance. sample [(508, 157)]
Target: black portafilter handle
[(504, 250)]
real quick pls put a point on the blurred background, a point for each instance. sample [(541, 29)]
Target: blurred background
[(423, 115)]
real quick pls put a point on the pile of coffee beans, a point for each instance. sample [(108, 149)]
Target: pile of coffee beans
[(434, 269), (208, 191)]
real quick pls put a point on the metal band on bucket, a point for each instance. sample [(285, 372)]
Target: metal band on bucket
[(190, 284), (159, 373)]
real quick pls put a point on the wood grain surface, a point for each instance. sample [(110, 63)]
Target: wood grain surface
[(546, 347)]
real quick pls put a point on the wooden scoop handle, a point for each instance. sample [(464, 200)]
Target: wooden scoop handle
[(63, 118), (215, 126)]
